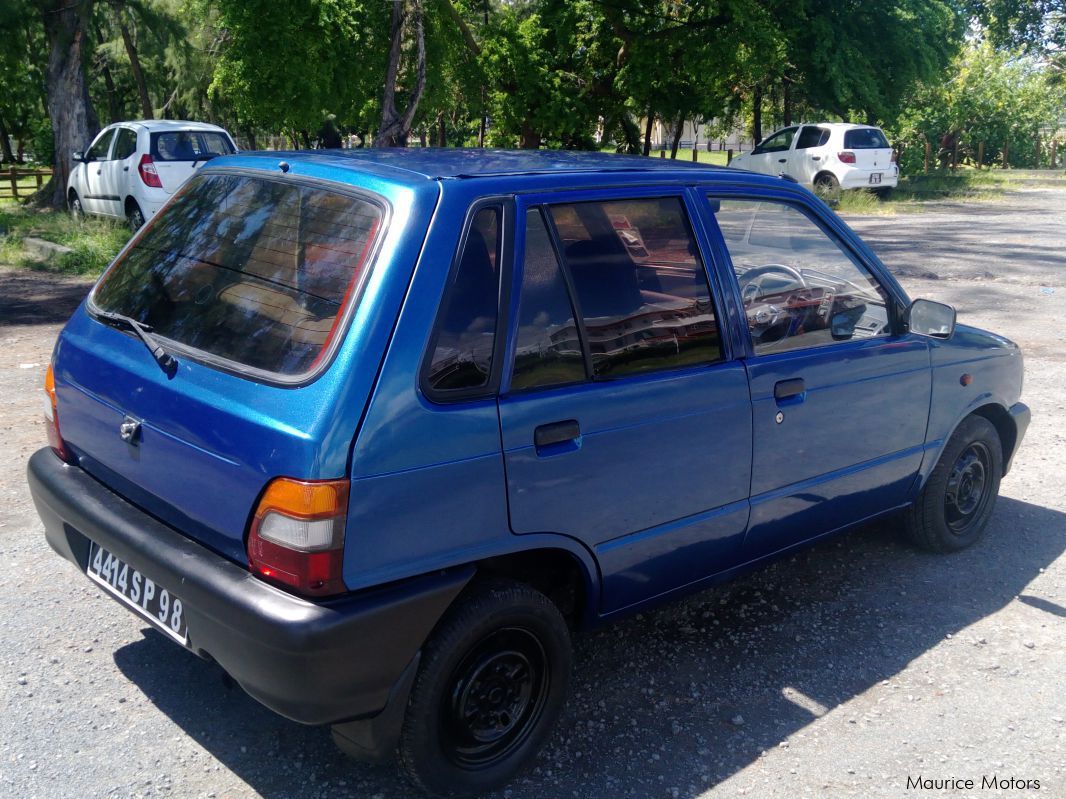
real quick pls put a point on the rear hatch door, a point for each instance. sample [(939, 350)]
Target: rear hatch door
[(249, 283), (177, 154), (871, 148)]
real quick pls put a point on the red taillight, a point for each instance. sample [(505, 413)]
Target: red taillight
[(51, 416), (297, 535), (846, 157), (895, 157), (149, 174)]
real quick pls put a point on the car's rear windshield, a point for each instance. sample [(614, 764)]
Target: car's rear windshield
[(256, 272), (189, 145), (865, 139)]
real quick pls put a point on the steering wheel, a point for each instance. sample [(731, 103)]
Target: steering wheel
[(747, 279)]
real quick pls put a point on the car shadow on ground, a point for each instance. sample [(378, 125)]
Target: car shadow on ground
[(28, 297), (681, 697)]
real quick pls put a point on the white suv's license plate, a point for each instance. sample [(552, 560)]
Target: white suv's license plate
[(875, 178), (149, 599)]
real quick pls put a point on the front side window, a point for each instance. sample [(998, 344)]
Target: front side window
[(99, 150), (252, 271), (466, 327), (641, 287), (779, 142), (125, 144), (800, 288)]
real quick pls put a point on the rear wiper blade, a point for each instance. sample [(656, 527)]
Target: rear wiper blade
[(167, 362)]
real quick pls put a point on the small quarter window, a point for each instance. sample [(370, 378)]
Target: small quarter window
[(466, 327), (548, 346)]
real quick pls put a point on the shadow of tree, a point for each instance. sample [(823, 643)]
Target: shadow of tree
[(38, 298), (655, 696)]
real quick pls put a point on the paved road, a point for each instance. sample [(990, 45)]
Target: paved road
[(841, 672)]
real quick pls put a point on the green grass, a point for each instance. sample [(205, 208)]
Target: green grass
[(94, 241), (716, 157)]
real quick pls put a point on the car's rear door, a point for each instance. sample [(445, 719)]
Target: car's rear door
[(840, 394), (626, 422), (807, 158), (116, 172)]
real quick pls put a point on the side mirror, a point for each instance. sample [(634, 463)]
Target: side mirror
[(78, 156), (929, 318)]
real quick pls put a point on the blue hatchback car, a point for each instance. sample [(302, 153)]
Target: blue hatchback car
[(376, 430)]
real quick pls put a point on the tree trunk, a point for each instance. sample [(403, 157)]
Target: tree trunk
[(756, 114), (442, 131), (73, 121), (529, 139), (679, 128), (396, 127), (647, 132), (113, 110), (786, 103), (5, 144), (135, 61), (249, 133)]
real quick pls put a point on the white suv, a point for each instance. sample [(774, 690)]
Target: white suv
[(132, 168), (827, 157)]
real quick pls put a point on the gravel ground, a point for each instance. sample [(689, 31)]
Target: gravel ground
[(841, 672)]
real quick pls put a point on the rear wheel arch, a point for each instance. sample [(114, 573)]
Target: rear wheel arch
[(557, 573)]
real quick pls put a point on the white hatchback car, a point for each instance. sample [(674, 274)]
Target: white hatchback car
[(132, 168), (826, 157)]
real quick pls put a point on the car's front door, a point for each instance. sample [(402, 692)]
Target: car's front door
[(626, 423), (772, 154), (94, 201), (840, 396)]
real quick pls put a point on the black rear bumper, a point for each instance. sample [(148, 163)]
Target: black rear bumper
[(315, 663)]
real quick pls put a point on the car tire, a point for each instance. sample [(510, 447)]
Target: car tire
[(491, 684), (74, 204), (955, 504), (827, 186), (134, 216)]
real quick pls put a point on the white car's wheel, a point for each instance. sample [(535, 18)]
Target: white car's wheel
[(74, 203), (827, 186)]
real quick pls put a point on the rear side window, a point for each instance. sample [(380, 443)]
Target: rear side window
[(466, 327), (255, 272), (865, 139), (548, 345), (125, 144), (641, 288), (812, 136), (189, 145)]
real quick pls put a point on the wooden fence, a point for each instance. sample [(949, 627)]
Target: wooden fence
[(950, 154), (16, 183)]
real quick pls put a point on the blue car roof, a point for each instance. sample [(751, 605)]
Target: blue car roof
[(458, 163)]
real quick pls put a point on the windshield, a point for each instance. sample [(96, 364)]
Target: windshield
[(256, 272)]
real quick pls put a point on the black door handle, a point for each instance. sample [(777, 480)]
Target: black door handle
[(816, 158), (787, 389), (556, 433), (782, 160)]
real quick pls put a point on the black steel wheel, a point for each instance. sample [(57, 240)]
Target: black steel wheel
[(827, 186), (492, 681), (956, 503)]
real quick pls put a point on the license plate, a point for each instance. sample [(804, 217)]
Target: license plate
[(147, 598), (875, 178)]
